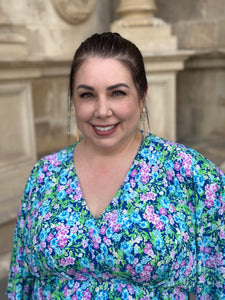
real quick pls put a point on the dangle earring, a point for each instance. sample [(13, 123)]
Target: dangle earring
[(77, 134), (143, 119)]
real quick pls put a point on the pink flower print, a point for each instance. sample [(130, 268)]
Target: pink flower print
[(171, 219), (103, 230), (77, 196), (97, 239), (145, 168), (43, 246), (84, 243), (86, 295), (148, 268), (172, 208), (145, 178), (207, 250), (163, 211), (192, 208), (186, 237), (60, 188), (208, 203), (116, 227), (133, 173), (67, 261), (177, 166), (90, 232), (202, 278), (96, 246), (40, 178), (132, 183), (148, 248), (170, 175), (47, 216), (172, 254), (131, 270), (222, 234), (67, 291), (130, 289), (159, 225), (29, 221), (69, 191), (62, 241), (180, 178), (107, 241), (15, 269), (210, 263), (120, 288), (62, 228), (45, 168), (22, 223), (150, 210), (108, 216), (188, 173), (155, 168), (74, 229), (57, 163), (182, 155)]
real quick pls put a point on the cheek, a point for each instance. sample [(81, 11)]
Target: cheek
[(82, 112)]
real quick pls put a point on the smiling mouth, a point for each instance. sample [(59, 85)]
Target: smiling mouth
[(104, 128)]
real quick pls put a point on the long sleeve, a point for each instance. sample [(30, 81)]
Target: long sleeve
[(20, 282), (209, 194)]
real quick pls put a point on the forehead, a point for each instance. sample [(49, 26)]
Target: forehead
[(97, 67)]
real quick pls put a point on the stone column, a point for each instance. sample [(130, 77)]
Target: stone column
[(162, 60)]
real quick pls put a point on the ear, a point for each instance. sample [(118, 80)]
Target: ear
[(143, 100)]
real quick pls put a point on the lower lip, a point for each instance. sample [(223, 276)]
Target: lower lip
[(105, 133)]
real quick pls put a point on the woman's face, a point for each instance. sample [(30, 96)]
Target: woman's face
[(106, 103)]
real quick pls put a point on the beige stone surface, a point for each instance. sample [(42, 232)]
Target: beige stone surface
[(197, 24), (46, 32)]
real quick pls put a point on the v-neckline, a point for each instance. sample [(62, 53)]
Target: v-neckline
[(84, 203)]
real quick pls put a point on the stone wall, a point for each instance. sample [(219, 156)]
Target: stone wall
[(200, 26), (45, 33), (36, 48)]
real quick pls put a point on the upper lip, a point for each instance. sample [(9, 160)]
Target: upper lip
[(108, 125)]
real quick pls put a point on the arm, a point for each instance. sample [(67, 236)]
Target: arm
[(20, 282), (210, 231)]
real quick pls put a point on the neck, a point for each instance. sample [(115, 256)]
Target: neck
[(130, 146)]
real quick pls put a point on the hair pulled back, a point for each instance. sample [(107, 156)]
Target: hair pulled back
[(111, 45)]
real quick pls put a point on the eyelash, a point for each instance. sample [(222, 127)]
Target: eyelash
[(86, 95), (116, 93)]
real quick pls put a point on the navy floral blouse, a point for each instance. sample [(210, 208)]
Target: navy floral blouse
[(161, 237)]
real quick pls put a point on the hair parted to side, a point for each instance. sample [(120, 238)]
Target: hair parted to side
[(110, 45)]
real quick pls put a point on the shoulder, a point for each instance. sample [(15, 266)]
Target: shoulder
[(56, 159), (180, 156), (50, 165)]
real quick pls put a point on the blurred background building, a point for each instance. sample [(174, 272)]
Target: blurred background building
[(183, 45)]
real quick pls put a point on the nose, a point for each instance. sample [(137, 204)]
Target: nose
[(103, 108)]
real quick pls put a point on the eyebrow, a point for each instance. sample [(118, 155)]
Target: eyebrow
[(84, 86), (115, 86), (111, 87)]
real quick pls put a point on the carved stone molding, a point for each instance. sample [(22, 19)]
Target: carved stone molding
[(74, 11)]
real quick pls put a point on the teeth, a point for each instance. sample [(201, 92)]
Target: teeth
[(105, 128)]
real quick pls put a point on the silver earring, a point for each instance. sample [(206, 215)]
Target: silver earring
[(143, 119)]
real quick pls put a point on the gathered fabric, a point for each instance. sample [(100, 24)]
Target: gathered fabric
[(161, 237)]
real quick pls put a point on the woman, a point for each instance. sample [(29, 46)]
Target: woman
[(121, 214)]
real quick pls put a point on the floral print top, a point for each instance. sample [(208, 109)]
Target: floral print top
[(161, 237)]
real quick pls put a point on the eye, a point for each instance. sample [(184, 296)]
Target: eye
[(86, 95), (118, 93)]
